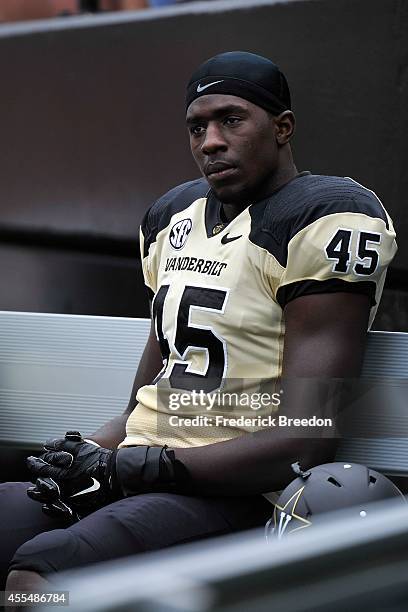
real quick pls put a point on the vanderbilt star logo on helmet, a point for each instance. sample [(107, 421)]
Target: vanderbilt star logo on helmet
[(286, 520)]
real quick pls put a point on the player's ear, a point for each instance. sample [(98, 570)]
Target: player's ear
[(285, 127)]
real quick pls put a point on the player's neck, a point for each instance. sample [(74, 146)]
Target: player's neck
[(284, 175)]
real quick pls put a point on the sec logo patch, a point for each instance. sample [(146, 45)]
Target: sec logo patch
[(179, 233)]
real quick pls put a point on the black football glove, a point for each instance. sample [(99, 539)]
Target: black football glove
[(78, 476), (47, 492), (73, 471)]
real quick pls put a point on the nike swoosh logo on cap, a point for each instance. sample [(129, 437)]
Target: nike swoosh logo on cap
[(201, 88), (95, 486)]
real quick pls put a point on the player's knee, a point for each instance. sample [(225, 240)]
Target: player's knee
[(47, 553), (22, 580)]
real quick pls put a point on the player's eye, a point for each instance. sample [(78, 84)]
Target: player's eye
[(196, 130), (232, 120)]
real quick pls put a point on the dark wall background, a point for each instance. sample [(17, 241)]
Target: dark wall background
[(92, 131)]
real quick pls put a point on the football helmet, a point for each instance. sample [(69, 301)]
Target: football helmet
[(324, 488)]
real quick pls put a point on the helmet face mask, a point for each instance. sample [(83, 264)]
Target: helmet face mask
[(326, 488)]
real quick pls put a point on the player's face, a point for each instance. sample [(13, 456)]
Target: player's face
[(233, 143)]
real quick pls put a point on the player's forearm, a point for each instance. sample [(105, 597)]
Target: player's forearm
[(252, 464), (112, 433), (261, 461)]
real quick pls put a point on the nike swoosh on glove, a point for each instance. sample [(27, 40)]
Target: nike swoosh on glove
[(83, 471)]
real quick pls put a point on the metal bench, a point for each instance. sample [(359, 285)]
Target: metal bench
[(61, 372)]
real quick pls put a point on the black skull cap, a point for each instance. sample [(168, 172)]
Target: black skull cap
[(243, 74)]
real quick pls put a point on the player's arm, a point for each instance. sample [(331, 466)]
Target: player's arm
[(73, 462), (337, 255), (114, 431), (151, 362), (325, 338)]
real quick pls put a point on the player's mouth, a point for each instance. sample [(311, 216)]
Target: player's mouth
[(219, 170)]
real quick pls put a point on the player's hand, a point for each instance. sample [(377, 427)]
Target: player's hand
[(84, 477), (82, 470), (47, 492)]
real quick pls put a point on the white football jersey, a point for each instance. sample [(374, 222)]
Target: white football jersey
[(219, 291)]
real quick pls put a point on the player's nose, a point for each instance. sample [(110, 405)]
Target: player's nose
[(214, 139)]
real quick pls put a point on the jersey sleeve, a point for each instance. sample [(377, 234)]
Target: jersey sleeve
[(342, 251), (145, 240), (157, 219)]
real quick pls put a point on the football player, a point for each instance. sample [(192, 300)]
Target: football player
[(258, 274)]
